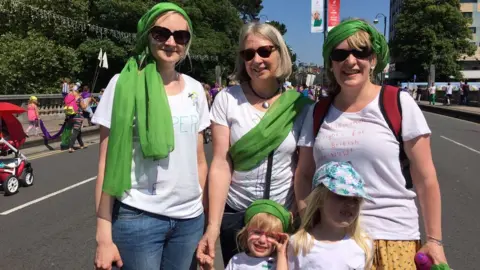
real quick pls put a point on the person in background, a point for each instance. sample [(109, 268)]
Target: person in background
[(449, 93), (65, 87), (466, 91), (432, 90), (33, 115), (77, 123)]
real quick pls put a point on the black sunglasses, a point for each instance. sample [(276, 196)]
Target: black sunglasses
[(339, 55), (162, 34), (264, 52)]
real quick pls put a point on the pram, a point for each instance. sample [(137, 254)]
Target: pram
[(17, 170)]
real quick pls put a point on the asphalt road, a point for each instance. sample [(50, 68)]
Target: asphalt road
[(57, 232)]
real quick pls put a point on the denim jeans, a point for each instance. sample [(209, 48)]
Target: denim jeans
[(148, 241)]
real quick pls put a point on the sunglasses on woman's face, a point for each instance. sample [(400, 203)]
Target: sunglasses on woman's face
[(264, 52), (339, 55), (162, 34)]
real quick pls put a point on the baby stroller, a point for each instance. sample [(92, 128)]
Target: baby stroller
[(17, 170)]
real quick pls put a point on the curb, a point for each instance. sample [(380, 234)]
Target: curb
[(40, 141), (464, 115)]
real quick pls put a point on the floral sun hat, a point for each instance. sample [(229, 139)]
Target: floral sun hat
[(341, 179)]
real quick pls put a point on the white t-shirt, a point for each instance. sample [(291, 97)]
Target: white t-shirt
[(232, 109), (342, 255), (365, 139), (242, 261), (432, 90), (169, 186), (449, 89)]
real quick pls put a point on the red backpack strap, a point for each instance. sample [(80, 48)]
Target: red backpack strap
[(392, 109), (319, 112)]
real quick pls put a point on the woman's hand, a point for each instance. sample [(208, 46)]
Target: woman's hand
[(107, 255), (206, 248), (435, 252)]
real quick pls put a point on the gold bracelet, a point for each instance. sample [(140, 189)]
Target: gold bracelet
[(434, 240)]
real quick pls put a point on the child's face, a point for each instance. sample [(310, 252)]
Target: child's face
[(260, 243), (340, 211)]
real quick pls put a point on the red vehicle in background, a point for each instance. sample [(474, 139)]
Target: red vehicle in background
[(15, 171)]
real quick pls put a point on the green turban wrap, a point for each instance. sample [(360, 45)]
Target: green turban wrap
[(270, 207), (139, 94), (347, 29)]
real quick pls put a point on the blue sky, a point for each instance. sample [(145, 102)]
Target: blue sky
[(295, 14)]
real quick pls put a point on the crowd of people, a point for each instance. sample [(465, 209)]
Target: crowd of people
[(288, 187)]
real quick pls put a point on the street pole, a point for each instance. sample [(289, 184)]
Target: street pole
[(325, 30)]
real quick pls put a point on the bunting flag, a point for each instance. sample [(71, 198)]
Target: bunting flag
[(17, 7), (317, 20), (105, 61)]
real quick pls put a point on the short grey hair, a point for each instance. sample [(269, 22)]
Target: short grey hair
[(271, 33)]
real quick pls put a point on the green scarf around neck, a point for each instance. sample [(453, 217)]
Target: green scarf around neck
[(140, 95), (250, 150), (347, 29)]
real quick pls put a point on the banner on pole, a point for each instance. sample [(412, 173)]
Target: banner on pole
[(317, 19), (333, 13)]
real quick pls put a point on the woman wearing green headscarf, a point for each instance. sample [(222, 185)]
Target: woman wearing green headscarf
[(152, 167), (355, 130)]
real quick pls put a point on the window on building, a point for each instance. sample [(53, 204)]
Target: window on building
[(468, 1), (467, 14), (473, 29)]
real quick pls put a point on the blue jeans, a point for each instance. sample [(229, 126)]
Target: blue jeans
[(148, 241)]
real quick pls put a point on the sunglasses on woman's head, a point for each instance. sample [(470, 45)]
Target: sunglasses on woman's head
[(339, 55), (264, 52), (162, 34)]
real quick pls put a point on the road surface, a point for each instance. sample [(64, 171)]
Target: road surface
[(51, 225)]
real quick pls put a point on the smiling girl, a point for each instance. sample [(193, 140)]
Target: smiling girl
[(263, 239)]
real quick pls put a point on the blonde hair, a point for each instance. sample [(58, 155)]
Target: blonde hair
[(271, 33), (357, 41), (315, 201), (263, 221)]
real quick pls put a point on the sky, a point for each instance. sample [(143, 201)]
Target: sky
[(295, 14)]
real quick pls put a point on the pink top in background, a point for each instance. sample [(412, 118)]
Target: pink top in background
[(32, 112)]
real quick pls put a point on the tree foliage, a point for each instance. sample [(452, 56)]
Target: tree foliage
[(39, 47), (34, 62), (431, 32)]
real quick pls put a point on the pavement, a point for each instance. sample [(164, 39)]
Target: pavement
[(469, 113), (51, 225)]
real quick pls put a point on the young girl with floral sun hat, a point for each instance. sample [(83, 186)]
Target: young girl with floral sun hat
[(330, 236)]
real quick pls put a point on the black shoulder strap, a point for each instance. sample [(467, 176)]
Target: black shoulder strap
[(268, 176)]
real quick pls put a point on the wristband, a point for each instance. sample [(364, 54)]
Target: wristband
[(435, 240)]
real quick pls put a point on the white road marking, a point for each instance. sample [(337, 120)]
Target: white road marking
[(460, 144), (47, 196)]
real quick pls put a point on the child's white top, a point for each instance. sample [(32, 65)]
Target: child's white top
[(242, 261), (341, 255)]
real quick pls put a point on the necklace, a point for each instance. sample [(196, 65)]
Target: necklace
[(265, 104)]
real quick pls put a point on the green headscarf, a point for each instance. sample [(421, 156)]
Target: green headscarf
[(270, 207), (139, 93), (348, 28)]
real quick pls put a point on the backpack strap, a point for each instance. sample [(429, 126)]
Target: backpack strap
[(391, 109), (319, 112)]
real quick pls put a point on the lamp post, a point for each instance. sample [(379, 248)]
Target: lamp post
[(384, 23), (384, 33)]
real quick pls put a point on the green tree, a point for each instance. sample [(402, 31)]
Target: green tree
[(248, 9), (282, 28), (34, 62), (431, 32)]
